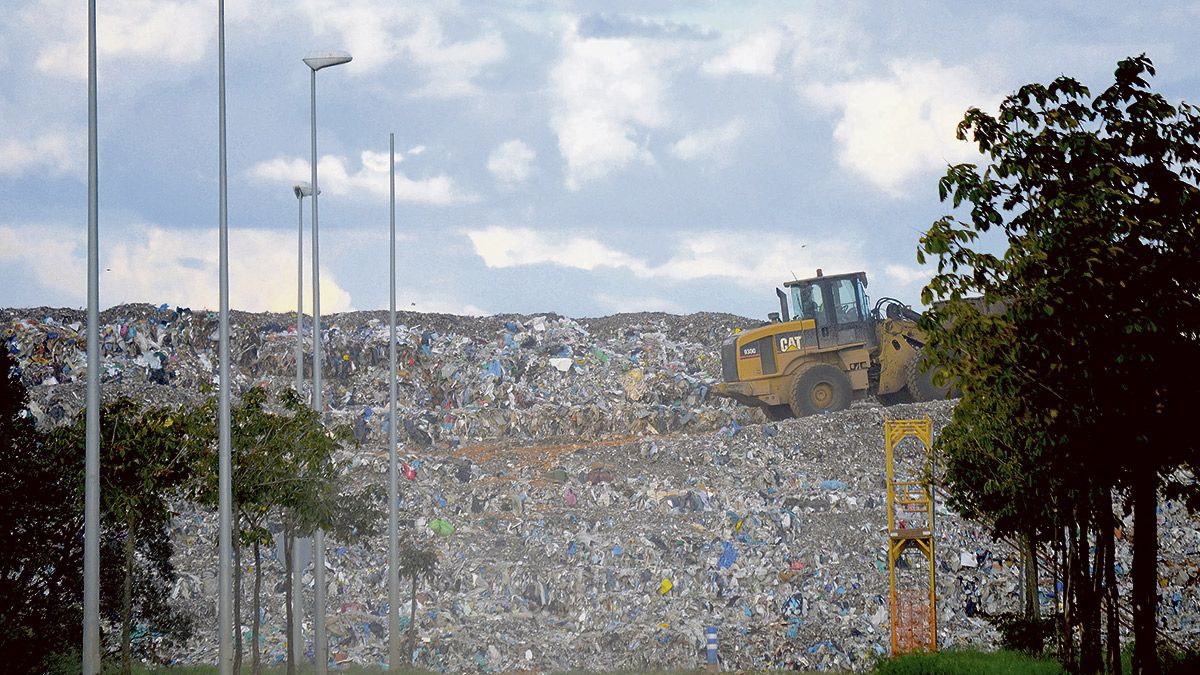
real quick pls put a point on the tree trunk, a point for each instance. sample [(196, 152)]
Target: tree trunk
[(255, 665), (127, 600), (1112, 599), (1068, 610), (237, 601), (1090, 661), (1145, 570), (1030, 567), (412, 622), (289, 550)]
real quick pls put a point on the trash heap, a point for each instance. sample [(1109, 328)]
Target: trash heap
[(462, 379), (591, 505), (617, 554)]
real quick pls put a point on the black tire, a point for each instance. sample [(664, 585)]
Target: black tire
[(777, 413), (921, 383), (820, 388)]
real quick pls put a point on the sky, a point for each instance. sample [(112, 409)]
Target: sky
[(585, 158)]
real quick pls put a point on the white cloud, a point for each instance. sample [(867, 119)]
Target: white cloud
[(737, 257), (153, 264), (175, 32), (637, 303), (708, 141), (511, 162), (908, 275), (54, 153), (502, 247), (434, 302), (751, 55), (893, 128), (607, 92), (378, 32), (370, 179)]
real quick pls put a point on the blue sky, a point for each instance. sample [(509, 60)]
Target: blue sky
[(583, 158)]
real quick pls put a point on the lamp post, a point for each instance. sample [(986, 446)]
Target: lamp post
[(393, 489), (225, 618), (321, 647), (91, 518), (301, 190)]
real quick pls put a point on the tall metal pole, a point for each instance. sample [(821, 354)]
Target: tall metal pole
[(393, 489), (321, 644), (300, 293), (91, 500), (225, 601), (296, 639)]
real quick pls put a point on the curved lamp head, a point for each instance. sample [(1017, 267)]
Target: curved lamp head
[(303, 190), (326, 59)]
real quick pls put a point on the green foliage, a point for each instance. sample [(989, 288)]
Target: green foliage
[(1086, 381), (41, 519), (954, 662), (1020, 634), (146, 457)]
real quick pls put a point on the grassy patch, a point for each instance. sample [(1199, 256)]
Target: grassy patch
[(969, 663)]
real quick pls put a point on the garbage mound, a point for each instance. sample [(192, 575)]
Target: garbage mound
[(461, 379), (593, 507)]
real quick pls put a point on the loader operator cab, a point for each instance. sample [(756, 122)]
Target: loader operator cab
[(838, 304)]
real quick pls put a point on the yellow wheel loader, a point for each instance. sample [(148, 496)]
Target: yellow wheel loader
[(827, 347)]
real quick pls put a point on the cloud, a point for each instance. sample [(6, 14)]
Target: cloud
[(378, 32), (617, 26), (434, 302), (908, 275), (641, 303), (502, 247), (370, 179), (737, 257), (754, 54), (511, 162), (176, 32), (891, 129), (607, 92), (152, 264), (708, 141), (53, 153)]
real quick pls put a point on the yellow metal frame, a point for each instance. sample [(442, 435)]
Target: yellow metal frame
[(915, 497)]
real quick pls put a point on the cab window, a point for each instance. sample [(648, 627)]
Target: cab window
[(845, 298), (809, 303)]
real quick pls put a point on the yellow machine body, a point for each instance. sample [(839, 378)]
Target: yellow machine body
[(824, 349)]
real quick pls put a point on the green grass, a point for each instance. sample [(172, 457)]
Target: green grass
[(956, 662)]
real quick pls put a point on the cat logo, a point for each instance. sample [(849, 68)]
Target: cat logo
[(791, 343)]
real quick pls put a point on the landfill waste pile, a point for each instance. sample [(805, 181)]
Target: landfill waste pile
[(592, 507), (462, 379)]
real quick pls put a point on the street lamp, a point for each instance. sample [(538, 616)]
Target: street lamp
[(321, 648), (301, 190)]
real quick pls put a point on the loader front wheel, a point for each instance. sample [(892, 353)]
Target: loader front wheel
[(820, 388), (921, 383)]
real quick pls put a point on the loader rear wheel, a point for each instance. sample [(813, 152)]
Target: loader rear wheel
[(820, 388), (921, 383), (777, 413)]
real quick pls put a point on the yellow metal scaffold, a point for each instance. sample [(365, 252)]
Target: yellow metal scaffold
[(910, 526)]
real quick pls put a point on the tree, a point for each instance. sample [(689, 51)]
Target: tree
[(282, 460), (417, 561), (284, 468), (41, 521), (147, 457), (1084, 381)]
